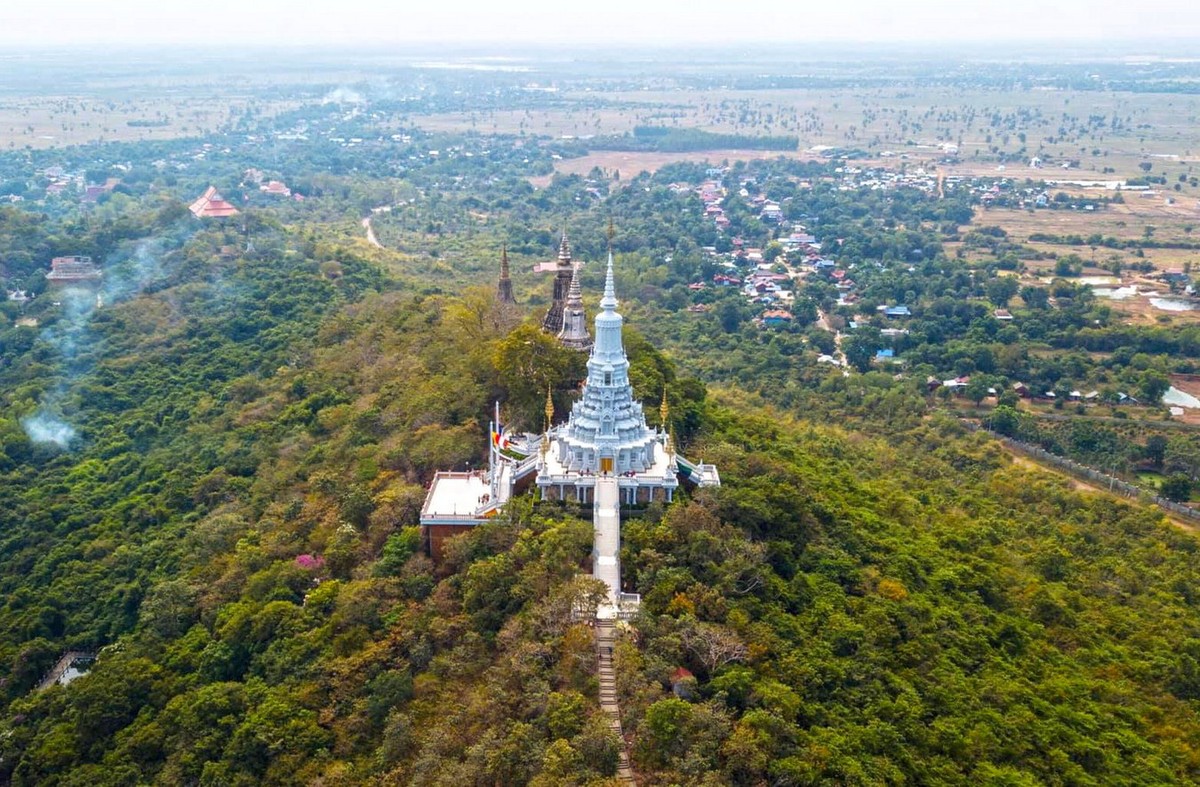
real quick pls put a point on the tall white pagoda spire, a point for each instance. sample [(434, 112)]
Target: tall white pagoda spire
[(607, 431)]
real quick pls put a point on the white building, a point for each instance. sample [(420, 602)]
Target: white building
[(605, 456)]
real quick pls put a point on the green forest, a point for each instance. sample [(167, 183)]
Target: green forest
[(211, 476)]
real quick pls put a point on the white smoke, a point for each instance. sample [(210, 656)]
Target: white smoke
[(343, 95), (42, 427)]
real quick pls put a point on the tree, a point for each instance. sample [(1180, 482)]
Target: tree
[(977, 389), (1156, 449), (860, 347), (1035, 297), (1177, 487), (1153, 385), (665, 723), (1001, 290), (529, 360), (1004, 420), (713, 646), (169, 608), (730, 315), (566, 714)]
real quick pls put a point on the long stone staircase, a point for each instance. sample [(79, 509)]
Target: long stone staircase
[(605, 639)]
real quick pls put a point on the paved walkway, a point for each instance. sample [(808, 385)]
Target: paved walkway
[(606, 524), (605, 638)]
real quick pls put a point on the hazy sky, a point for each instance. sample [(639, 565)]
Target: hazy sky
[(336, 22)]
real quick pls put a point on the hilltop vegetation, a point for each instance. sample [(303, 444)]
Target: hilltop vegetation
[(235, 524)]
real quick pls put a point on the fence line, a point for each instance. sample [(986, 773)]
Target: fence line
[(1114, 484)]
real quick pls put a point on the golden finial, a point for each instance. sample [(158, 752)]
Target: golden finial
[(549, 408), (664, 410)]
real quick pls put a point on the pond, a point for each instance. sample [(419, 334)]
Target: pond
[(1116, 294), (1181, 398), (1172, 304)]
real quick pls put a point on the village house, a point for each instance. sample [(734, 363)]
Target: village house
[(776, 318), (76, 269), (94, 192)]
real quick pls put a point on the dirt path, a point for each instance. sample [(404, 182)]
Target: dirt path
[(823, 322), (371, 239)]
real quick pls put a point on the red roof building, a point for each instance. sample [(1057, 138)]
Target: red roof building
[(275, 188), (212, 205)]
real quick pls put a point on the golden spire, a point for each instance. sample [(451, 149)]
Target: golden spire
[(549, 416), (664, 412)]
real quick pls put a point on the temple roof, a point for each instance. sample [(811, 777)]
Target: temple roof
[(211, 205)]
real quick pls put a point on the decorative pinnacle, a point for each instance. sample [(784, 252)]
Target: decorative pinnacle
[(609, 301), (564, 249), (549, 408), (574, 292), (504, 261), (664, 410)]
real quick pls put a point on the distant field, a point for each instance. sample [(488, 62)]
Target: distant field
[(49, 122), (1127, 222), (1168, 224), (630, 163), (1059, 125)]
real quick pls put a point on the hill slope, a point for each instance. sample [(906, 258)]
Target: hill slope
[(234, 525)]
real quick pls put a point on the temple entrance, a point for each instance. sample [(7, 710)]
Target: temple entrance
[(606, 464)]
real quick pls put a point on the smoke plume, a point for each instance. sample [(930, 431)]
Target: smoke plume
[(42, 427), (126, 274)]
